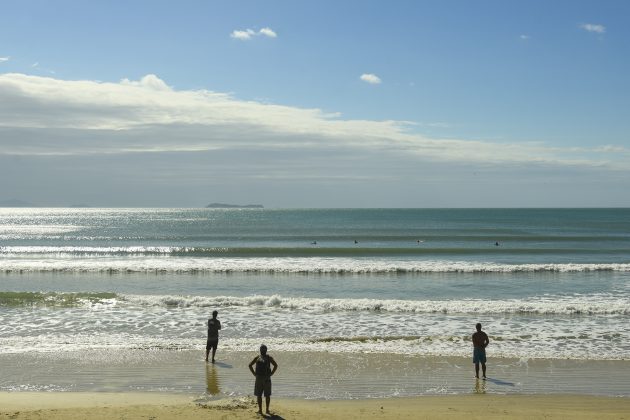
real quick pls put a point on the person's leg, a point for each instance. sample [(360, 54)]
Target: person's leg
[(260, 405), (207, 352), (267, 401), (476, 369), (483, 368), (214, 350)]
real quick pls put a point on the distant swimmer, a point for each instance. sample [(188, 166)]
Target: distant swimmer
[(214, 325), (496, 244), (263, 374), (480, 342), (356, 242), (314, 243)]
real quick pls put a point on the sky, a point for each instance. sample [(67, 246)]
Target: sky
[(301, 104)]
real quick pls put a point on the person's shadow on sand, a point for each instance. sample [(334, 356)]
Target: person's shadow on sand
[(273, 417), (223, 365)]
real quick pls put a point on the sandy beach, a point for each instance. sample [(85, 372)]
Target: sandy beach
[(76, 405)]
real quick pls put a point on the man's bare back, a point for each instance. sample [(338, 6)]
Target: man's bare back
[(480, 339)]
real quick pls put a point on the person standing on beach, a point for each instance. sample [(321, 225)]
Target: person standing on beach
[(263, 374), (214, 325), (480, 342)]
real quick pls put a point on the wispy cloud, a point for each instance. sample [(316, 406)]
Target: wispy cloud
[(591, 27), (36, 66), (370, 78), (248, 34), (3, 59), (95, 118), (524, 37)]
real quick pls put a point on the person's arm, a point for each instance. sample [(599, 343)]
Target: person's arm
[(486, 341), (251, 369), (275, 365), (219, 322)]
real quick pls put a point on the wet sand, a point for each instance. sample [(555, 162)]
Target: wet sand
[(166, 384), (308, 375), (74, 406)]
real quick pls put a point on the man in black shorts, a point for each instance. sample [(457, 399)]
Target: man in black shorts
[(263, 374), (214, 325)]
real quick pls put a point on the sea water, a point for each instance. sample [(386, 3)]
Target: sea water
[(545, 283)]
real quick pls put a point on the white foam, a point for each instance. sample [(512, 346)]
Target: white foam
[(294, 324), (57, 262), (599, 304)]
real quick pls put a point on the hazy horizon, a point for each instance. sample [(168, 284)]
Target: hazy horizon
[(29, 205)]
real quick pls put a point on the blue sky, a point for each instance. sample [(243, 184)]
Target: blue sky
[(316, 104)]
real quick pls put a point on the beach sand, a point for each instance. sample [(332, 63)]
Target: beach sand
[(77, 405)]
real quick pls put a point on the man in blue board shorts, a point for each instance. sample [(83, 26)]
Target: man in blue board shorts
[(480, 342), (263, 374)]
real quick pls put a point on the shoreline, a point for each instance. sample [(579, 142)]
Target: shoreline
[(77, 405)]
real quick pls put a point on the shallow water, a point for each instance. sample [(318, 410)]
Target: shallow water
[(313, 375)]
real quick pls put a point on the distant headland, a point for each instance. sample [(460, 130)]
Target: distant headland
[(234, 206)]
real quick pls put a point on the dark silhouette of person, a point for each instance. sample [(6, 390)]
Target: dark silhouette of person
[(214, 325), (480, 342), (263, 374)]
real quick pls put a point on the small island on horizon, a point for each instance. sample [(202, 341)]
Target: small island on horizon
[(234, 206)]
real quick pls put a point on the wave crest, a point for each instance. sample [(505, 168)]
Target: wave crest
[(281, 265), (561, 305)]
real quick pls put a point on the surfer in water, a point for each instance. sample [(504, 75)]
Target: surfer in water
[(214, 325), (263, 374), (480, 342)]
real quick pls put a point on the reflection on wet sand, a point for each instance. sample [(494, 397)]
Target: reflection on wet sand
[(212, 380), (480, 386)]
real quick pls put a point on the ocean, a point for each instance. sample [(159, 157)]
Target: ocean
[(547, 284)]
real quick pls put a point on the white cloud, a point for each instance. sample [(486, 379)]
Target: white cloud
[(268, 32), (590, 27), (243, 35), (525, 37), (48, 116), (3, 59), (370, 78), (150, 81), (248, 34)]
